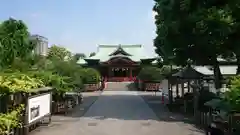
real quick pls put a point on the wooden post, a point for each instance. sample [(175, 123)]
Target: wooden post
[(130, 70), (196, 96), (177, 88), (185, 106), (25, 123), (171, 93), (109, 71), (183, 90)]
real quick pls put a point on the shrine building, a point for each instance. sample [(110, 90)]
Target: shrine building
[(118, 63)]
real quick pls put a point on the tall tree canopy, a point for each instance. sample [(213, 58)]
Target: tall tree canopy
[(58, 53), (79, 56), (14, 41), (193, 29), (233, 39)]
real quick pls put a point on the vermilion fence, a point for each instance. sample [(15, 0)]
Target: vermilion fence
[(120, 79)]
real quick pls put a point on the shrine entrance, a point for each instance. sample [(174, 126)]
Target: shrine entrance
[(120, 72), (119, 69)]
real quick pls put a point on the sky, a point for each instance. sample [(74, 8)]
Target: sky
[(81, 25)]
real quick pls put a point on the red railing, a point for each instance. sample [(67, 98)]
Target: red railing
[(120, 79)]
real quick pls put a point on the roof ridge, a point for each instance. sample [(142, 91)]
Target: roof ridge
[(122, 45)]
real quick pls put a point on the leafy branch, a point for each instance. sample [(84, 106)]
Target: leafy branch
[(10, 120)]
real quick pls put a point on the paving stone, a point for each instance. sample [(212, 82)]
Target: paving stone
[(122, 113)]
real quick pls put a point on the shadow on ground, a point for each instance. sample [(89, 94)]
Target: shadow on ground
[(131, 87), (156, 103), (127, 107), (89, 99), (61, 120), (124, 107)]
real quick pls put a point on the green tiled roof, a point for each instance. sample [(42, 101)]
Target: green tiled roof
[(104, 51)]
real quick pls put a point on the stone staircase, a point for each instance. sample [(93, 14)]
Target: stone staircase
[(119, 86)]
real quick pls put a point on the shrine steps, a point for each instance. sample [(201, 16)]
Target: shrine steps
[(119, 86)]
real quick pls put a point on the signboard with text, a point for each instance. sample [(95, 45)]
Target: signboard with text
[(38, 107)]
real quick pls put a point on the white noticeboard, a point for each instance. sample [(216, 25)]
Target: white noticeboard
[(38, 107)]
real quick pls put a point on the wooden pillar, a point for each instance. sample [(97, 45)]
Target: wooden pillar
[(170, 93), (183, 90), (109, 71), (177, 88), (188, 84), (130, 69), (195, 101)]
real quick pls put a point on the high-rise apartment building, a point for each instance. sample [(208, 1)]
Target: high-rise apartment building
[(41, 45)]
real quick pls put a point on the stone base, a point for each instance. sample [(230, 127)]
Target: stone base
[(92, 87), (151, 86)]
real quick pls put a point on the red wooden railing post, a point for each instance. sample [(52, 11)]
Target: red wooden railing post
[(130, 74)]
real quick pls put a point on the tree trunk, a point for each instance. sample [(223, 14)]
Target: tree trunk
[(217, 75), (238, 63)]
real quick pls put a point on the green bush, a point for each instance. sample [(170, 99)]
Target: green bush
[(61, 84), (10, 120), (151, 74), (91, 76), (69, 71), (17, 82), (205, 96), (233, 95)]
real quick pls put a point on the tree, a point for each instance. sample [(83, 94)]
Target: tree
[(149, 73), (58, 53), (14, 41), (195, 29), (233, 39), (78, 56), (92, 54)]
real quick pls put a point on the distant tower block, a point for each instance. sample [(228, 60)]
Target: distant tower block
[(41, 46)]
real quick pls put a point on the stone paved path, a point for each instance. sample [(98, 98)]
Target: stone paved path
[(121, 113)]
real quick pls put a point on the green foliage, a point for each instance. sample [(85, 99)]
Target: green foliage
[(60, 83), (16, 81), (20, 65), (63, 75), (14, 41), (92, 54), (10, 120), (205, 96), (78, 56), (90, 76), (58, 53), (149, 73), (22, 70), (186, 28), (69, 69), (165, 70), (233, 95)]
